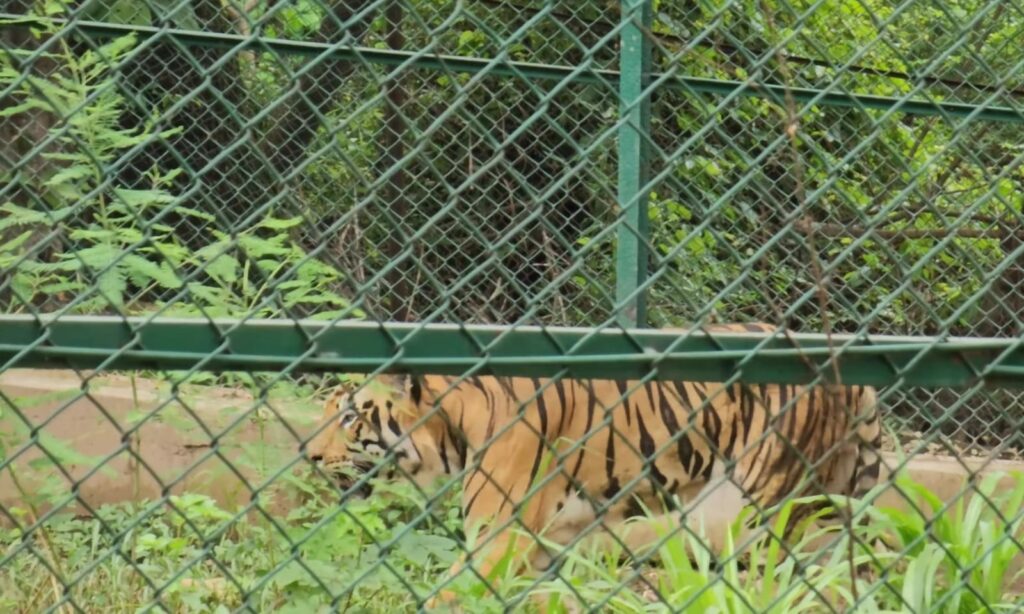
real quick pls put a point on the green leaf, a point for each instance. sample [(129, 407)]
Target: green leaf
[(67, 263), (116, 48), (28, 105), (16, 242), (93, 234), (420, 548), (98, 256), (181, 14), (128, 12), (208, 294), (160, 273), (21, 216), (257, 247), (218, 263), (280, 224), (143, 198), (22, 286), (72, 173), (62, 286), (112, 285), (194, 213)]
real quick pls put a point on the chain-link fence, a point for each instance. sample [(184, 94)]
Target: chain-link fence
[(567, 221)]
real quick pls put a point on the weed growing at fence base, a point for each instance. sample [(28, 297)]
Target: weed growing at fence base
[(189, 555)]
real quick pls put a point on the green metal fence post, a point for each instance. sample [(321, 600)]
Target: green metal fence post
[(635, 68)]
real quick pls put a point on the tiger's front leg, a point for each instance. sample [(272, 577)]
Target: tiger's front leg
[(503, 525)]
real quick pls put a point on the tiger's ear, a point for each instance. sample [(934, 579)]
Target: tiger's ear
[(404, 386), (346, 387)]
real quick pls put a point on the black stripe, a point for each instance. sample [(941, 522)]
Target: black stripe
[(647, 449), (366, 443), (698, 462), (684, 447), (812, 421), (609, 463), (763, 470), (791, 462), (491, 406), (633, 508), (375, 419), (393, 424), (701, 393), (713, 428), (459, 441), (560, 389), (683, 398), (612, 489), (730, 391), (460, 437), (747, 409), (761, 455), (542, 411), (415, 391), (472, 500), (650, 394), (415, 447), (591, 401), (443, 451), (623, 386), (730, 447)]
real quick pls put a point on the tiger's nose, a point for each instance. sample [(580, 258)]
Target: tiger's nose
[(316, 458)]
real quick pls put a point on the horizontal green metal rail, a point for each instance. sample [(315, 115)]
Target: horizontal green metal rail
[(542, 72), (109, 343)]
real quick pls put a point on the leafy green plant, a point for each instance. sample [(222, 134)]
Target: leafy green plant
[(122, 249), (747, 575), (971, 546)]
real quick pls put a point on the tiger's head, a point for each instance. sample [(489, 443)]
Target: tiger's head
[(365, 424)]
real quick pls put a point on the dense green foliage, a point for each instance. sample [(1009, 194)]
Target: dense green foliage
[(479, 198)]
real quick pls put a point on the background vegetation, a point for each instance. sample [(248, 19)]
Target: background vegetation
[(504, 184)]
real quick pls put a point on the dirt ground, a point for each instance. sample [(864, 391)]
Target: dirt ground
[(104, 461)]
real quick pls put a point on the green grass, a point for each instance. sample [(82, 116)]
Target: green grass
[(189, 555)]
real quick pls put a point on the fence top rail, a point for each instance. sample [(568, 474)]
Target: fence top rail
[(503, 67), (111, 342)]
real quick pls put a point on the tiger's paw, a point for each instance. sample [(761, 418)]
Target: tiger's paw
[(444, 601)]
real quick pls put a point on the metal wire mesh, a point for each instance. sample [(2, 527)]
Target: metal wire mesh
[(849, 168)]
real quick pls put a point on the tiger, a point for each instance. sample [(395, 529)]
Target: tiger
[(557, 457)]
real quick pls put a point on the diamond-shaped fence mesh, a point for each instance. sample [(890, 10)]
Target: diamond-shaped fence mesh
[(390, 305)]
